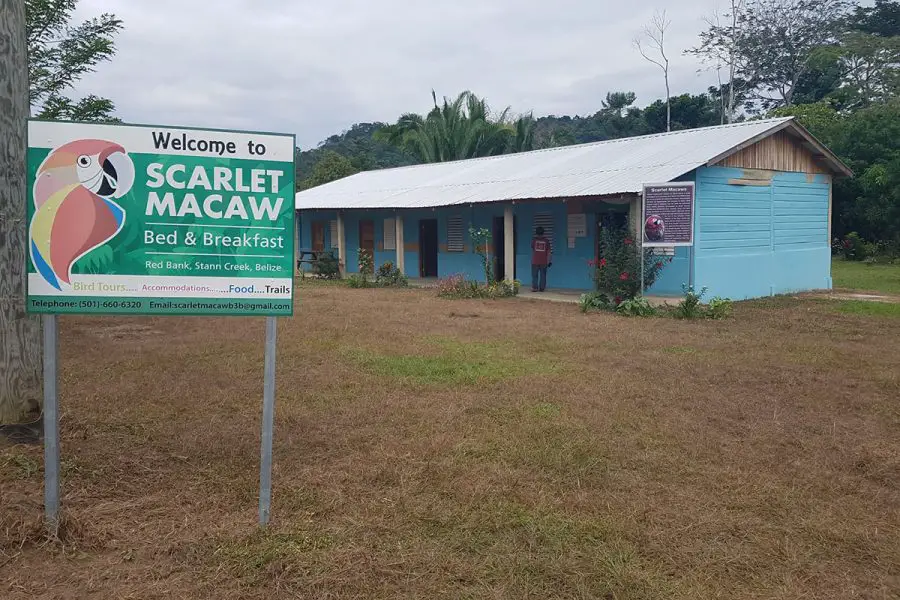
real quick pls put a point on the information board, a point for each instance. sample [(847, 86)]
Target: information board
[(134, 219), (668, 214)]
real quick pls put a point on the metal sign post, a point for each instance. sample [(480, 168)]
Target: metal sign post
[(51, 425), (268, 422), (639, 232)]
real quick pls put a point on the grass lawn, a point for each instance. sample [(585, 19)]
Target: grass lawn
[(864, 277), (427, 448)]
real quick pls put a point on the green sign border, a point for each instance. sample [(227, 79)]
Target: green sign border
[(96, 305)]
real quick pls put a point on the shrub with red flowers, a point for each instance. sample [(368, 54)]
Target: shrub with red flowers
[(617, 270)]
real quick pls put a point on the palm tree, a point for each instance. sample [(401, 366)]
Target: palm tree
[(459, 129)]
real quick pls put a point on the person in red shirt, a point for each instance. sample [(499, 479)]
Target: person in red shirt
[(541, 259)]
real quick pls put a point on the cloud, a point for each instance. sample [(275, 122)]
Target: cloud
[(314, 69)]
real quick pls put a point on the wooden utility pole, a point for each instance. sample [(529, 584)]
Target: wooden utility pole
[(20, 333)]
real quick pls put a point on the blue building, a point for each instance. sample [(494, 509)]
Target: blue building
[(762, 220)]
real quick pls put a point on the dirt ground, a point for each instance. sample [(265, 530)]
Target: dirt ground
[(427, 448)]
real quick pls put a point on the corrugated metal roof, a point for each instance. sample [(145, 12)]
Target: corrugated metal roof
[(596, 169)]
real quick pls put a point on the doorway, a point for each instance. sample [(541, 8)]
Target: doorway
[(318, 236), (499, 236), (367, 241), (428, 248), (613, 220)]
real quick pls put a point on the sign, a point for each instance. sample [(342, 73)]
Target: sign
[(134, 219), (668, 214), (576, 225)]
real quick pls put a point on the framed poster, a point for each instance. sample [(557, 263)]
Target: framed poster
[(668, 215)]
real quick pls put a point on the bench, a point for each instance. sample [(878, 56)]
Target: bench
[(302, 259)]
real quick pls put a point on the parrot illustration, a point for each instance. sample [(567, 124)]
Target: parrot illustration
[(74, 212), (655, 228)]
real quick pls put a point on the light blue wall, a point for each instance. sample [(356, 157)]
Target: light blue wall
[(570, 269), (304, 231), (674, 274), (754, 241)]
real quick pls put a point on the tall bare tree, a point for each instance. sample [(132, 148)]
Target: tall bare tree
[(769, 44), (20, 333), (722, 53), (651, 43)]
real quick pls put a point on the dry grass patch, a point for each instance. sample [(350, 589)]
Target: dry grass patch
[(428, 448)]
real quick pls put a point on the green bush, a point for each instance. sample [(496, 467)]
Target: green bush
[(502, 289), (359, 280), (617, 271), (390, 276), (691, 306), (594, 301), (457, 286), (327, 266), (853, 247), (719, 308), (366, 262), (637, 307)]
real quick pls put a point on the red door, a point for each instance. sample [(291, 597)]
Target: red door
[(318, 236), (367, 239)]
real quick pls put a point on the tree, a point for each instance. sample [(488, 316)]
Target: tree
[(617, 103), (60, 54), (359, 146), (866, 140), (654, 38), (719, 48), (871, 68), (331, 167), (882, 19), (20, 333), (523, 140), (462, 128), (772, 43), (686, 111)]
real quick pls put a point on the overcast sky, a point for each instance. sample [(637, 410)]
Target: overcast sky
[(316, 67)]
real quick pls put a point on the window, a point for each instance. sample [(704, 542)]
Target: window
[(455, 234), (333, 232), (390, 234), (545, 220)]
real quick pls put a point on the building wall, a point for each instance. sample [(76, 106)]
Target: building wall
[(761, 233), (570, 265), (304, 232), (757, 233)]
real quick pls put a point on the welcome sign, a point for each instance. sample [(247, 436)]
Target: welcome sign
[(159, 220)]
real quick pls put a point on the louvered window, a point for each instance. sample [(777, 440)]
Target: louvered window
[(332, 225), (390, 234), (455, 234)]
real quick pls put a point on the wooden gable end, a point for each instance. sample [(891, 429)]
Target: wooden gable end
[(778, 152)]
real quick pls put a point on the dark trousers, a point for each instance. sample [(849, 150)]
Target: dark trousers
[(538, 277)]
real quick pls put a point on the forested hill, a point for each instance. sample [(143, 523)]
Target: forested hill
[(359, 150)]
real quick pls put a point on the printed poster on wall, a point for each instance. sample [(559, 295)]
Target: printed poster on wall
[(669, 214), (134, 219)]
